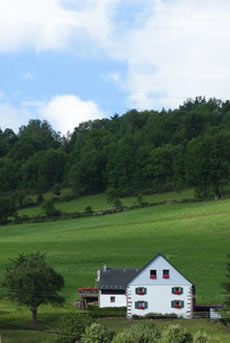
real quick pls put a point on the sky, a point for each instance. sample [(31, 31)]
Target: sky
[(69, 61)]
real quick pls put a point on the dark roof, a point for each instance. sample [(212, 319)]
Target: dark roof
[(116, 278)]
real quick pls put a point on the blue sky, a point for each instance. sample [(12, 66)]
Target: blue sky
[(68, 61)]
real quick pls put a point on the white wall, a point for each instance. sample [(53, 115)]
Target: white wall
[(159, 264), (104, 300), (159, 300)]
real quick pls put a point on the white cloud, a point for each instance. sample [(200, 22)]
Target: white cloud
[(65, 112), (187, 45), (178, 49), (13, 117), (47, 24)]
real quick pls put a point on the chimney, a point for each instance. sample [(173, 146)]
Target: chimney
[(105, 268)]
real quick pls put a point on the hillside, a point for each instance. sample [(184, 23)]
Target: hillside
[(193, 236)]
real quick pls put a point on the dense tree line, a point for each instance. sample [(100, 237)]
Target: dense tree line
[(148, 151)]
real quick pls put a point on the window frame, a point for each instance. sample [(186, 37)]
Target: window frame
[(112, 299), (153, 274)]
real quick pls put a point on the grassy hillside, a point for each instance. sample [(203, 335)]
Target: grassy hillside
[(98, 202), (193, 236)]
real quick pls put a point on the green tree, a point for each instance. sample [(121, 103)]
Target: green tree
[(208, 164), (49, 208), (30, 281), (7, 208)]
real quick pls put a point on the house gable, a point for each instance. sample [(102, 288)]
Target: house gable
[(157, 267)]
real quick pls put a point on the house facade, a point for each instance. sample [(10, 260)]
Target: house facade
[(156, 288)]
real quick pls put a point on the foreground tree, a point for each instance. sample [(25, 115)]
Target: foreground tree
[(31, 281)]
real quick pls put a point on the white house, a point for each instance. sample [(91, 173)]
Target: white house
[(157, 288)]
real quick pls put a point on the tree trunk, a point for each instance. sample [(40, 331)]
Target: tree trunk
[(34, 314)]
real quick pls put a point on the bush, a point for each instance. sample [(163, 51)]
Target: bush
[(176, 334), (88, 210), (201, 337), (49, 208), (72, 327), (160, 315), (97, 333), (96, 312), (40, 198), (57, 189), (145, 332), (124, 337)]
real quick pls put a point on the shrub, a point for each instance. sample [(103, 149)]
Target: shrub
[(124, 337), (160, 315), (72, 327), (145, 332), (201, 337), (49, 208), (97, 333), (57, 189), (40, 198), (88, 210), (176, 334)]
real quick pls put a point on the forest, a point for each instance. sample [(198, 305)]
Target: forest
[(137, 152)]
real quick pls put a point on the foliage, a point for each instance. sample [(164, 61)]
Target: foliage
[(201, 337), (71, 328), (88, 210), (97, 333), (7, 208), (146, 151), (30, 281), (174, 333), (49, 208)]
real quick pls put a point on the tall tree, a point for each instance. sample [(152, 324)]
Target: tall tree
[(31, 281)]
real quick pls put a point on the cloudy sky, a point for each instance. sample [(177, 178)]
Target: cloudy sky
[(68, 61)]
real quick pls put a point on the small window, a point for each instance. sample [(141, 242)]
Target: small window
[(141, 305), (141, 290), (112, 299), (153, 274), (177, 304), (177, 290), (165, 274)]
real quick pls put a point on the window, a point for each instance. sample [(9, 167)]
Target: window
[(177, 304), (141, 305), (153, 274), (141, 290), (177, 290), (165, 274), (112, 299)]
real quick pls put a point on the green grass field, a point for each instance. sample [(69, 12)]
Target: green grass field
[(98, 202), (193, 236)]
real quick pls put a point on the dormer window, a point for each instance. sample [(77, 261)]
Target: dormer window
[(177, 290), (165, 274), (141, 290), (177, 304), (153, 274)]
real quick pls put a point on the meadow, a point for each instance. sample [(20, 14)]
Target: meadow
[(193, 236)]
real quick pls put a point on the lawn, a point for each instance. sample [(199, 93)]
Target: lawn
[(99, 202), (193, 236)]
